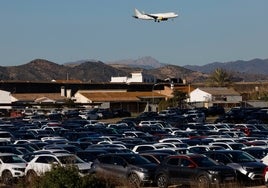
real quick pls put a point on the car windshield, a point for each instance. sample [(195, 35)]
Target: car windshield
[(238, 157), (69, 159), (237, 146), (136, 160), (204, 161), (11, 159)]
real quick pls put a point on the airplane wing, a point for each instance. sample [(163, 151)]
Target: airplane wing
[(152, 16), (158, 17)]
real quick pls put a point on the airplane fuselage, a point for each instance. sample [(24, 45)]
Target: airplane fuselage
[(157, 17)]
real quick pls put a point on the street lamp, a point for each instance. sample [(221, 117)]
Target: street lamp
[(153, 105), (153, 90)]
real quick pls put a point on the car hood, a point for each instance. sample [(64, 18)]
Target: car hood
[(15, 165), (248, 165)]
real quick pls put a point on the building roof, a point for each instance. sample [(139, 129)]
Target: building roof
[(38, 96), (220, 91), (120, 96), (67, 81), (183, 88)]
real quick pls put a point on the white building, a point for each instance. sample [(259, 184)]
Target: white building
[(207, 96), (137, 77), (5, 98)]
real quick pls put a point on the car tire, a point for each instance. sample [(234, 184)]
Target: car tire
[(7, 177), (162, 181), (134, 180), (31, 176), (203, 182)]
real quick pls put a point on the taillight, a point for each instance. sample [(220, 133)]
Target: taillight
[(265, 171)]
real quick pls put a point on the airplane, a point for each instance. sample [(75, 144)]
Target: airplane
[(156, 17)]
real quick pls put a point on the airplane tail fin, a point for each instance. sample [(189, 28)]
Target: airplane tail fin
[(137, 13)]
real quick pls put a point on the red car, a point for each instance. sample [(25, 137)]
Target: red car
[(195, 170)]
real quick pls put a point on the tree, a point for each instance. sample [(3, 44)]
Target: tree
[(176, 101), (220, 78), (179, 97)]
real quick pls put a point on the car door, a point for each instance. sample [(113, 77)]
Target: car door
[(44, 164), (105, 165), (120, 166), (172, 169), (187, 170)]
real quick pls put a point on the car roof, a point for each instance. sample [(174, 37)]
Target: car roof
[(7, 154), (225, 151), (189, 155), (56, 154)]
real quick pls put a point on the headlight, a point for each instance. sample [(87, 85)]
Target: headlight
[(213, 172), (142, 170)]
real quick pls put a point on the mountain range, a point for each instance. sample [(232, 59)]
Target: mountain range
[(97, 71)]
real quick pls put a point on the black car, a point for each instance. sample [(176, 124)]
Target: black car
[(125, 166), (258, 152), (195, 170), (249, 170)]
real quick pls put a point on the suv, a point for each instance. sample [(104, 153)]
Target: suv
[(195, 170), (132, 167), (11, 167), (249, 169), (44, 162)]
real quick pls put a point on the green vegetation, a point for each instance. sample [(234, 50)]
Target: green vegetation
[(220, 78), (68, 177), (177, 100)]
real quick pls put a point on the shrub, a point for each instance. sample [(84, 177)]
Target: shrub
[(68, 177)]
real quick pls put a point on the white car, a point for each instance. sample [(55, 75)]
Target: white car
[(12, 167), (44, 162)]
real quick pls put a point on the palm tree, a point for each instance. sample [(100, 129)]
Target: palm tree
[(220, 78)]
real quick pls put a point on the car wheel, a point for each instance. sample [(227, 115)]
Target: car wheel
[(134, 180), (162, 181), (31, 176), (203, 182), (7, 177)]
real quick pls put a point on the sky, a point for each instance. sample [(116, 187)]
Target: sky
[(62, 31)]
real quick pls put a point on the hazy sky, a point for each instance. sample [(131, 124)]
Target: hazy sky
[(67, 30)]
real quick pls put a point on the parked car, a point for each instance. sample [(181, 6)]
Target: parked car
[(199, 149), (258, 152), (194, 170), (249, 169), (132, 167), (12, 167), (44, 162)]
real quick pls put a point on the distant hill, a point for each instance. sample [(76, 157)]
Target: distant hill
[(254, 66), (144, 63), (43, 70), (173, 71), (96, 71), (85, 71), (252, 70)]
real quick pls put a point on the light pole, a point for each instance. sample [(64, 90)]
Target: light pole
[(153, 105)]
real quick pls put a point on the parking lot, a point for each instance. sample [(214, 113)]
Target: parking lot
[(140, 149)]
